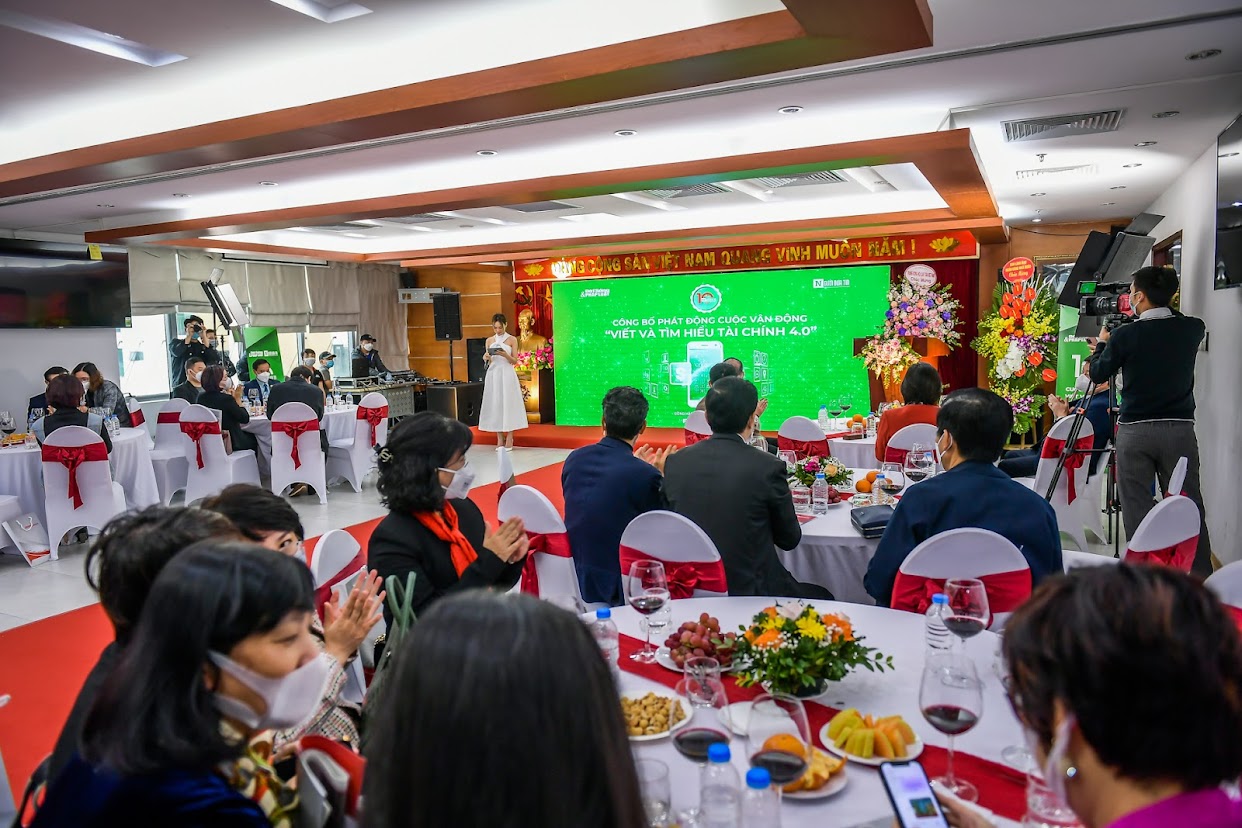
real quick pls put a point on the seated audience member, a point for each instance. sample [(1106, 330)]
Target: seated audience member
[(921, 392), (221, 653), (482, 679), (1025, 462), (191, 386), (738, 496), (64, 398), (269, 520), (298, 389), (1094, 660), (129, 553), (763, 403), (262, 382), (433, 529), (233, 414), (101, 393), (972, 427), (607, 485), (718, 372), (37, 406)]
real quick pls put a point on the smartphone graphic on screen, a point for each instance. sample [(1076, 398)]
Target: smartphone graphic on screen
[(911, 794), (702, 356)]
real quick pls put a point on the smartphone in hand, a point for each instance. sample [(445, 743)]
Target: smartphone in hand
[(911, 794)]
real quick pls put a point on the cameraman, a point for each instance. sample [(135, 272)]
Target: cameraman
[(191, 346), (1156, 357)]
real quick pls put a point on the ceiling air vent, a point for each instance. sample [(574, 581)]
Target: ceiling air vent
[(801, 180), (349, 227), (1080, 171), (1062, 126), (417, 218), (542, 207), (686, 192)]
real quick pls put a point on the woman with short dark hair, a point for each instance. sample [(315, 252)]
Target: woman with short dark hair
[(221, 653), (232, 414), (1128, 681), (101, 393), (433, 529), (920, 391), (483, 679), (503, 410), (64, 398)]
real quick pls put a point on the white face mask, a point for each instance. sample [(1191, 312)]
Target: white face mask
[(86, 385), (463, 478), (289, 699), (308, 361), (211, 343), (264, 377), (1083, 383), (196, 376), (366, 346)]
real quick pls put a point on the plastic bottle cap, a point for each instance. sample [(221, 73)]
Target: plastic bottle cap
[(607, 613), (938, 598), (718, 752), (820, 476), (758, 778)]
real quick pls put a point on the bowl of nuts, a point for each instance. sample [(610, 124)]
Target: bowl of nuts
[(653, 716)]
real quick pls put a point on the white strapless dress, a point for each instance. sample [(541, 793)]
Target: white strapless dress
[(503, 408)]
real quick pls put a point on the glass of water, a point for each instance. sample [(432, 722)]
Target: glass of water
[(801, 499), (656, 791)]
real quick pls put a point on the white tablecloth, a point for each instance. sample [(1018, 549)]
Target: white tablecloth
[(338, 424), (858, 454), (895, 633)]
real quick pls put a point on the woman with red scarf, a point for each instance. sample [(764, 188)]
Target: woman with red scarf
[(433, 529)]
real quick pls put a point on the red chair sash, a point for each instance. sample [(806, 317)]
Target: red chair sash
[(895, 455), (1235, 613), (374, 416), (168, 417), (71, 457), (803, 449), (1052, 451), (196, 432), (684, 577), (553, 543), (137, 418), (295, 430), (1179, 555), (693, 437), (323, 594), (1006, 590)]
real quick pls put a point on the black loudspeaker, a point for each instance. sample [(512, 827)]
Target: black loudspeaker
[(408, 278), (476, 368), (447, 309), (459, 401)]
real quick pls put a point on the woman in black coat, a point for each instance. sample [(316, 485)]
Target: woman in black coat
[(233, 415)]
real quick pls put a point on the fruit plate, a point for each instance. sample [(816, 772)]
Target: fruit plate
[(912, 752), (866, 500), (666, 661), (835, 785), (685, 708)]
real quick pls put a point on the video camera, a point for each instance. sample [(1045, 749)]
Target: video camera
[(1099, 283), (1110, 303)]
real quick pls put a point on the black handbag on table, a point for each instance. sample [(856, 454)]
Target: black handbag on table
[(871, 520)]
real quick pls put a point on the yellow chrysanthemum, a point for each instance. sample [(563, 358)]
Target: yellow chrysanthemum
[(812, 629)]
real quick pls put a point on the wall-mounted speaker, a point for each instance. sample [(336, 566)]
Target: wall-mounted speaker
[(408, 278), (447, 310)]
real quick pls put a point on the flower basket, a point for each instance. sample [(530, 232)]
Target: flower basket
[(835, 472), (1019, 341), (792, 648), (537, 360), (888, 357)]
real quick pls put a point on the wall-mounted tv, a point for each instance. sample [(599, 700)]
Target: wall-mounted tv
[(1229, 208), (52, 285)]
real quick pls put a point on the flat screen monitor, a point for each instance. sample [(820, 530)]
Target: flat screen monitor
[(1228, 270), (51, 285)]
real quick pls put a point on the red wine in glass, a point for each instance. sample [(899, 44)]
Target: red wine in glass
[(651, 602), (693, 742), (783, 766), (964, 626), (949, 719)]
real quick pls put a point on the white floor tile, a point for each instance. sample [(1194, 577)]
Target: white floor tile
[(8, 622)]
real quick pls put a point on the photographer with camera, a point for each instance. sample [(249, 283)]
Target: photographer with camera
[(1156, 428), (191, 346)]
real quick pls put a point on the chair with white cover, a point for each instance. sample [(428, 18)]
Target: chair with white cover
[(904, 440), (297, 453), (697, 428), (211, 467), (168, 458), (803, 437), (10, 509), (352, 458), (1169, 535), (1092, 511), (1226, 582), (1070, 500), (549, 571), (691, 561), (136, 418), (1177, 480), (336, 565), (77, 483), (964, 553)]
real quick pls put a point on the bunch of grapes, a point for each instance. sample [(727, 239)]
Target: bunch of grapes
[(701, 638), (834, 496)]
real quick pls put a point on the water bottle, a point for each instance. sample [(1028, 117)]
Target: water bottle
[(877, 490), (819, 495), (823, 418), (760, 807), (720, 796), (937, 633), (609, 640)]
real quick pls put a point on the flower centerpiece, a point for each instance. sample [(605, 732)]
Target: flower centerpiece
[(918, 310), (888, 357), (792, 648), (1019, 341), (538, 359), (835, 472)]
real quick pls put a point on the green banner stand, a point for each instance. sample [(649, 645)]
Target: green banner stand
[(1072, 353), (263, 343)]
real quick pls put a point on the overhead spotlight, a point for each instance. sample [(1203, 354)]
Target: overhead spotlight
[(789, 110), (105, 205), (625, 133), (1036, 220), (1146, 144), (269, 183), (1227, 155), (1203, 54), (1118, 187), (1129, 166), (181, 195), (486, 153), (1038, 195), (1168, 113)]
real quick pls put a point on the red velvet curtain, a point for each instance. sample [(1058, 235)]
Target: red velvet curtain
[(538, 297), (960, 369)]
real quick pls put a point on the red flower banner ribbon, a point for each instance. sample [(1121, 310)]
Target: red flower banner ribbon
[(1052, 451), (296, 430), (374, 416), (196, 432), (553, 543), (71, 457), (803, 449), (1006, 590), (683, 577)]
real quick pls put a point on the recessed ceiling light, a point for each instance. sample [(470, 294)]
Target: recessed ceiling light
[(486, 153), (1145, 144), (1118, 187), (356, 235), (1168, 113), (1237, 204), (789, 110), (1036, 220), (1203, 54), (1227, 155), (269, 183), (327, 12), (1038, 195), (1128, 166), (90, 39), (625, 133), (181, 195), (105, 205)]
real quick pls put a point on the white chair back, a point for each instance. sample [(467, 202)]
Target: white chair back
[(533, 507), (373, 400), (353, 458), (311, 470), (672, 538), (803, 429), (1226, 582), (168, 435), (696, 423), (557, 575), (219, 467), (1172, 521), (1072, 518), (1177, 480), (102, 500), (966, 553), (922, 433), (336, 552)]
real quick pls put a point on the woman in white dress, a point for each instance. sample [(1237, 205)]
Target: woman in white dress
[(504, 411)]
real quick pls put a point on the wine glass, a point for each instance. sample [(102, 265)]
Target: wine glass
[(657, 621), (790, 458), (894, 478), (709, 716), (845, 405), (919, 464), (7, 424), (647, 591), (778, 737), (969, 613), (834, 408), (655, 789), (951, 698)]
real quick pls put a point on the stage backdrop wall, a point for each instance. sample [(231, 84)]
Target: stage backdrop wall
[(793, 330)]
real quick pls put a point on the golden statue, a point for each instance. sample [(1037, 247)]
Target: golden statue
[(528, 340)]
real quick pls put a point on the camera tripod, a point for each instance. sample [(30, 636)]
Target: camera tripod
[(1112, 502)]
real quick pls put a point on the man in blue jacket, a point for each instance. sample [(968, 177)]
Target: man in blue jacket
[(971, 430), (606, 485)]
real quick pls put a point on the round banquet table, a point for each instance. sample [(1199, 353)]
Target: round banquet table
[(338, 423), (857, 454), (895, 692)]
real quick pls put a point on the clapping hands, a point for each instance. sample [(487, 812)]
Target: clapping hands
[(346, 627), (655, 457), (509, 541)]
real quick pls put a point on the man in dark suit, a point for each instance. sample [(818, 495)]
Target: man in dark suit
[(190, 388), (739, 496), (38, 403), (971, 429), (607, 485), (298, 389), (262, 382)]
